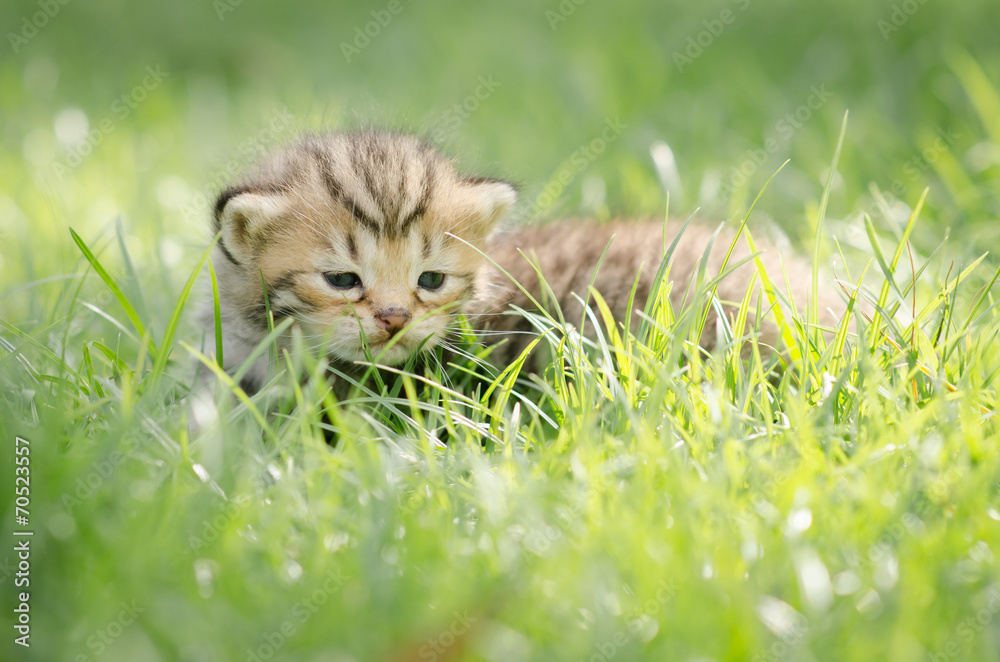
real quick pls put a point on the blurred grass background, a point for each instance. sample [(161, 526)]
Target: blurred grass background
[(232, 69), (238, 78)]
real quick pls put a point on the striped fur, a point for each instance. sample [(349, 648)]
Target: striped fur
[(569, 252), (388, 208), (383, 206)]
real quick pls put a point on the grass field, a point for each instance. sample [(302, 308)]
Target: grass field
[(638, 500)]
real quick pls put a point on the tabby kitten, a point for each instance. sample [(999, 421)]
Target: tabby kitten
[(369, 237)]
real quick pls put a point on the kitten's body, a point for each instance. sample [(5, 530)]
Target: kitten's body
[(376, 235), (568, 252)]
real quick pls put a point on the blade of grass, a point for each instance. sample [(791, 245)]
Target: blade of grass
[(216, 315), (774, 308), (166, 343), (657, 284), (889, 269), (133, 275), (736, 237), (813, 319), (123, 301)]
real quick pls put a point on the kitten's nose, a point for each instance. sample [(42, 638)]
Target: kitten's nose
[(392, 319)]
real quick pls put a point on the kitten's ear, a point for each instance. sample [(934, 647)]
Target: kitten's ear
[(243, 216), (493, 197)]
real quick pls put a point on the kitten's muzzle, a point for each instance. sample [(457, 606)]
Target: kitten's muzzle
[(392, 319)]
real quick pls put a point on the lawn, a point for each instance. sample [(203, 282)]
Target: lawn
[(639, 499)]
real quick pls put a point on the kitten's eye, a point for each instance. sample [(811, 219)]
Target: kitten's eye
[(431, 280), (343, 281)]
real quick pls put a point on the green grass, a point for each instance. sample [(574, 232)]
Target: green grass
[(639, 499)]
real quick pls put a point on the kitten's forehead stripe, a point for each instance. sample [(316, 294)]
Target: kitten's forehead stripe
[(369, 176), (421, 207), (402, 189), (323, 160), (385, 168), (352, 246), (359, 214), (362, 171), (337, 191)]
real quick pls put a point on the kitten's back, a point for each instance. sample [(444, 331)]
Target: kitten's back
[(568, 252)]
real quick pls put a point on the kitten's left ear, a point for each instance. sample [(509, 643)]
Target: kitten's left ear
[(493, 197)]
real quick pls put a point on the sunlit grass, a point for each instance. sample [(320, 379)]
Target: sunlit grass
[(721, 504), (638, 497)]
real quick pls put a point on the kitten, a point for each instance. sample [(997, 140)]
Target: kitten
[(567, 253), (360, 237), (372, 236)]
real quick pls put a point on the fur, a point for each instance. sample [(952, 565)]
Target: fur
[(347, 230)]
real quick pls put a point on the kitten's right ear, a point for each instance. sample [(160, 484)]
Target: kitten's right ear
[(243, 216), (491, 200)]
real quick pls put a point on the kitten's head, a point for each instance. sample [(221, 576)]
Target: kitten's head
[(360, 236)]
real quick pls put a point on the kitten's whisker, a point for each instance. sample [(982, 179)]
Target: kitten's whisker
[(482, 363)]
